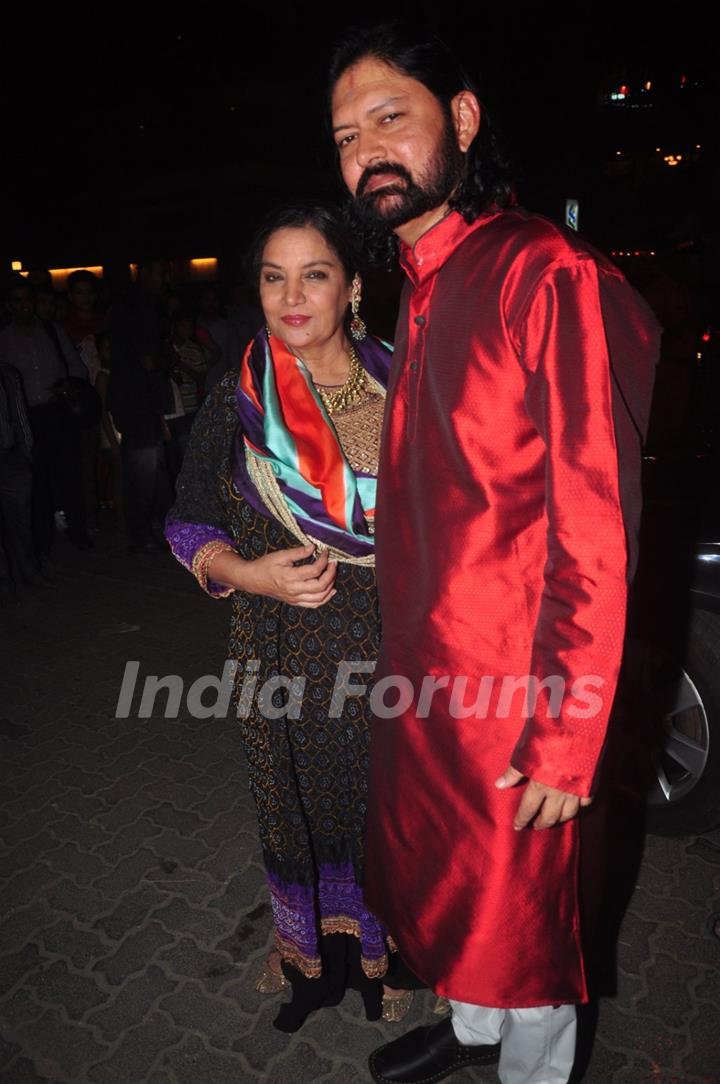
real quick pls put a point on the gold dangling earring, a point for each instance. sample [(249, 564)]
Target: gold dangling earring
[(358, 329)]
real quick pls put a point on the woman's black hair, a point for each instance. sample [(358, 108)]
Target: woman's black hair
[(421, 55), (328, 221)]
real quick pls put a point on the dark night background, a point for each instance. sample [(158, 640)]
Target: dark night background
[(168, 129)]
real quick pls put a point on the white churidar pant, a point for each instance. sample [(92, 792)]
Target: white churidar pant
[(538, 1045)]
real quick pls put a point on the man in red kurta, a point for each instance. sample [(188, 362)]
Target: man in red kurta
[(507, 515)]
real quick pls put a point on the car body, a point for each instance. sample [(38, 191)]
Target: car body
[(671, 670)]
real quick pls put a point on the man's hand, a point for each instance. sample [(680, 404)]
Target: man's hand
[(545, 806)]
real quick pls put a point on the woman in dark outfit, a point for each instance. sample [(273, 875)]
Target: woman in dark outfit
[(275, 507)]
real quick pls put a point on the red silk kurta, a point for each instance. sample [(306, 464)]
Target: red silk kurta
[(509, 477)]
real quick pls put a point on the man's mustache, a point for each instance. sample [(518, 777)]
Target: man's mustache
[(378, 169)]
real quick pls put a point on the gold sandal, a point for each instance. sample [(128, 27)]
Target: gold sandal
[(270, 981), (396, 1007)]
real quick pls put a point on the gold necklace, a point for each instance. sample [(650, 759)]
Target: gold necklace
[(350, 392)]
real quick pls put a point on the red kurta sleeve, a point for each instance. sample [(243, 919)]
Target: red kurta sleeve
[(578, 638)]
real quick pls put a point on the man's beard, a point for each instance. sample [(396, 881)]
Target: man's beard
[(408, 199)]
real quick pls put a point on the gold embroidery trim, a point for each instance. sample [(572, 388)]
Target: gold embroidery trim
[(359, 431), (263, 478), (311, 966), (342, 924), (202, 560)]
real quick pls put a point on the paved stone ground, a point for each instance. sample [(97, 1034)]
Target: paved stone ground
[(133, 908)]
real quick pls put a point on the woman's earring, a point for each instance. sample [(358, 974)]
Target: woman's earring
[(357, 324)]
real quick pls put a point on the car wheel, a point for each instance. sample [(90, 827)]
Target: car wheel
[(679, 698)]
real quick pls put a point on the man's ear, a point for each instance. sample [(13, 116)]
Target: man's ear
[(466, 114)]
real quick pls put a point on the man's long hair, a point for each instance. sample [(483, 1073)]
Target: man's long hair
[(486, 183)]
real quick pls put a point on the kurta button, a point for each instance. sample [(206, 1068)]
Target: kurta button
[(420, 321), (413, 366)]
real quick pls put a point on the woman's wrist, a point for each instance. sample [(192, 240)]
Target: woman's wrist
[(226, 568), (218, 584)]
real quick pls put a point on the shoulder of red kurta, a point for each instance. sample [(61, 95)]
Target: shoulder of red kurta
[(531, 244), (528, 250)]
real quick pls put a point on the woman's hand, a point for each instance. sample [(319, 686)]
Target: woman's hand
[(278, 576)]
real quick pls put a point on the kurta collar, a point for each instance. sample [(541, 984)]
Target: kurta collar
[(436, 246)]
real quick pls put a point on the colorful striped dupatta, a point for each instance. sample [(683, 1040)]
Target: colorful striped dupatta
[(291, 453)]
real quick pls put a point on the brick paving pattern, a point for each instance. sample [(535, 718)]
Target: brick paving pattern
[(133, 908)]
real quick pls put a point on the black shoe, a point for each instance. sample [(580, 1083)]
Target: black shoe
[(426, 1055)]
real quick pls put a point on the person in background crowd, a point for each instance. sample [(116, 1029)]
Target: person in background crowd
[(674, 293), (173, 415), (173, 303), (82, 325), (187, 364), (135, 399), (213, 329), (244, 314), (247, 320), (84, 320), (38, 278), (43, 355), (109, 459), (18, 564), (46, 303)]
